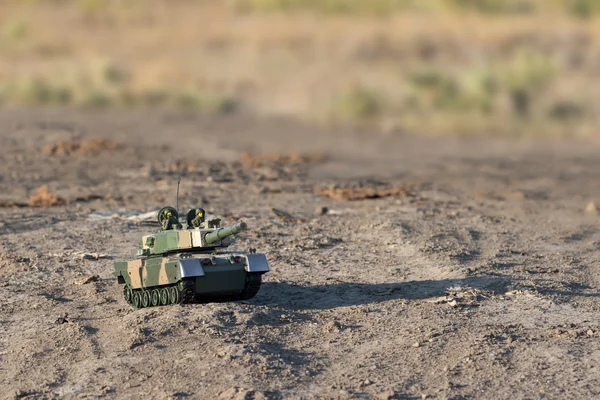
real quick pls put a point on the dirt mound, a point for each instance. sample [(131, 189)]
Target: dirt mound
[(361, 191), (43, 197), (86, 146), (261, 160)]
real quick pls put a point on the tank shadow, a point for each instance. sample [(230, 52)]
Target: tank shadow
[(343, 294)]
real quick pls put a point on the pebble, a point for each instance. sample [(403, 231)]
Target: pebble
[(321, 210), (387, 395), (591, 208), (229, 393)]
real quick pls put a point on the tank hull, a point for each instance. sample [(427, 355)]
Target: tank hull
[(190, 278)]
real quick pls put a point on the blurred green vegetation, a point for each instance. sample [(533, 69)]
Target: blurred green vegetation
[(434, 66), (104, 84), (580, 8), (501, 98)]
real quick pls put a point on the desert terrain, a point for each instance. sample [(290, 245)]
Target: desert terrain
[(409, 268)]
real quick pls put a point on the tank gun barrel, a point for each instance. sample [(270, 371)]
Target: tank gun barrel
[(222, 233)]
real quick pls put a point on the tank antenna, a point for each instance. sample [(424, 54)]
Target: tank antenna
[(177, 201)]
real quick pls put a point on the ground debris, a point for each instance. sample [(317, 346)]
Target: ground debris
[(184, 166), (43, 197), (260, 160), (366, 190), (62, 319), (387, 395), (285, 216), (461, 297), (12, 204), (591, 208), (321, 210), (86, 279), (333, 327), (93, 256), (87, 146), (516, 293)]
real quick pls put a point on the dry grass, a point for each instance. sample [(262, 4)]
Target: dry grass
[(501, 67)]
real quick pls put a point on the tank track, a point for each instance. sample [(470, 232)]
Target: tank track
[(183, 293), (252, 286)]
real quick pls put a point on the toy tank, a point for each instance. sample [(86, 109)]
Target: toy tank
[(177, 265)]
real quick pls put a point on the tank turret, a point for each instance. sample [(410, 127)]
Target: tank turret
[(185, 240)]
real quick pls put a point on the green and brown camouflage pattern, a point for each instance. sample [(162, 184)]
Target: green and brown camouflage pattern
[(184, 265), (183, 240)]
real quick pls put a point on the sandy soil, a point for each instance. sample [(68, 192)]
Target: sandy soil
[(478, 279)]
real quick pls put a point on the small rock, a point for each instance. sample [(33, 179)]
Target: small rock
[(416, 344), (86, 279), (62, 319), (590, 332), (333, 326), (285, 216), (229, 393), (453, 303), (387, 395), (321, 210), (591, 208), (516, 195), (244, 394), (93, 256)]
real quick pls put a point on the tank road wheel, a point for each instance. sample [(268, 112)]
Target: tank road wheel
[(154, 297), (145, 298), (164, 296), (136, 300), (174, 295), (127, 294), (253, 281)]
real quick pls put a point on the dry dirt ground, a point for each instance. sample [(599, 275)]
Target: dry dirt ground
[(477, 277)]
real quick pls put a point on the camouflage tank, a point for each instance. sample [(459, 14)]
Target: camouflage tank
[(178, 265)]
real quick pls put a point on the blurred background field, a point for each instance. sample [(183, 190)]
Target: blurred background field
[(434, 67)]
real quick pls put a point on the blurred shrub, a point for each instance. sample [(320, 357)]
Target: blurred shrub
[(36, 91), (525, 76), (566, 110), (473, 91), (497, 6), (432, 89), (359, 104), (585, 8), (14, 30), (203, 101)]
